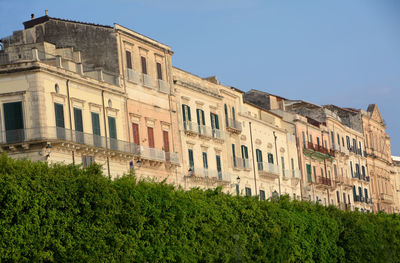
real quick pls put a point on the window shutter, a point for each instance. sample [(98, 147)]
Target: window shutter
[(198, 116), (203, 120), (205, 162), (189, 115), (96, 124), (216, 121), (270, 158), (304, 139), (144, 65), (226, 115), (234, 155), (135, 130), (191, 160), (59, 111), (159, 71), (351, 169), (166, 141), (78, 120), (233, 113), (308, 166), (112, 129), (128, 59), (212, 120), (218, 160), (150, 135), (184, 112)]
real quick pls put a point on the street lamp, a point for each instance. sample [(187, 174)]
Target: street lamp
[(237, 185)]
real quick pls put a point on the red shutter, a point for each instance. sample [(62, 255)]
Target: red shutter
[(135, 129), (150, 135), (166, 141)]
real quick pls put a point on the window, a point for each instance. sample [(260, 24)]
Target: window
[(205, 161), (358, 171), (355, 145), (363, 171), (150, 136), (351, 169), (283, 165), (87, 161), (338, 141), (245, 153), (348, 142), (335, 170), (360, 149), (318, 141), (344, 197), (128, 59), (333, 139), (259, 159), (315, 173), (342, 142), (248, 191), (270, 158), (135, 130), (326, 144), (354, 193), (322, 172), (112, 129), (191, 160), (186, 116), (233, 113), (14, 122), (159, 71), (311, 138), (366, 194), (292, 161), (234, 155), (304, 139), (214, 121), (338, 197), (144, 65), (219, 168), (200, 117), (59, 113), (96, 129), (166, 141), (308, 167), (226, 115), (78, 125), (360, 191), (262, 195)]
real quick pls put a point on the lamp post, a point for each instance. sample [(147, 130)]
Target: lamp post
[(237, 185)]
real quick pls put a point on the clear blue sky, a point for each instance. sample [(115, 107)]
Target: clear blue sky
[(328, 52)]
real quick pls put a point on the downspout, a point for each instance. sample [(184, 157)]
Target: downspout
[(277, 163), (70, 118), (300, 164), (105, 133), (170, 81), (252, 154)]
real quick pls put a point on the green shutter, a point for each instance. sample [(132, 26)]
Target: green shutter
[(191, 161), (198, 116), (270, 158), (233, 155), (309, 172), (14, 121), (96, 124), (78, 120), (203, 119), (59, 112), (216, 121), (205, 162), (218, 158), (112, 129), (226, 115), (233, 113), (259, 156), (212, 120), (184, 112)]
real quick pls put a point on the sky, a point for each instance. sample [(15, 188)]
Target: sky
[(327, 52)]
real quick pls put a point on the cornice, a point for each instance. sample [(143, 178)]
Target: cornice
[(197, 88)]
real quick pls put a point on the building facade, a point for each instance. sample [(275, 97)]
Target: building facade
[(80, 93)]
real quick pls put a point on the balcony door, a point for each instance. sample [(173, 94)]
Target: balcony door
[(166, 144), (14, 122), (78, 125)]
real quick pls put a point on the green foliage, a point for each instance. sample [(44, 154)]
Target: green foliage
[(64, 213)]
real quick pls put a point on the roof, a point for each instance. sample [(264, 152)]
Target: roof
[(266, 93), (43, 19)]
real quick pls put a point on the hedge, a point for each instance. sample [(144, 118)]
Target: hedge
[(63, 213)]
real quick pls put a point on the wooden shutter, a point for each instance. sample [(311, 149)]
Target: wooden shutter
[(234, 155), (259, 156), (270, 158), (13, 117), (212, 119), (191, 160), (135, 130), (216, 121), (78, 120), (112, 129), (198, 116), (96, 124), (304, 139), (226, 115), (144, 65), (308, 166), (166, 141), (159, 71), (233, 113), (128, 59), (150, 135), (244, 152), (59, 112)]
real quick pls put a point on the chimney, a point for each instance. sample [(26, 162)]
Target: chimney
[(32, 16), (46, 12)]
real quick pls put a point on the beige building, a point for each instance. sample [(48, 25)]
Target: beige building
[(396, 163)]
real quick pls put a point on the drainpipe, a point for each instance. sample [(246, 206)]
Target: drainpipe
[(252, 154), (70, 118), (105, 133), (277, 163), (300, 164)]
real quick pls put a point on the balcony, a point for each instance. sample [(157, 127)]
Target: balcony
[(344, 206), (359, 176), (163, 86), (268, 170), (317, 151), (190, 128), (133, 76), (218, 135), (148, 81), (386, 198), (209, 177), (324, 182), (344, 181), (234, 126), (204, 131), (241, 164), (172, 158), (80, 141)]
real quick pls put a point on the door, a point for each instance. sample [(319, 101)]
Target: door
[(60, 124), (96, 129), (14, 122), (136, 138), (112, 133), (150, 135), (259, 160)]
